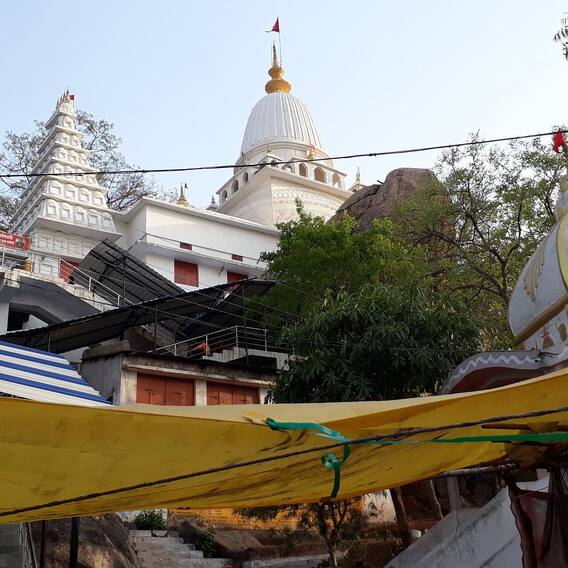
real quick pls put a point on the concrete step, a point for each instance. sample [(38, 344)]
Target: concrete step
[(159, 534), (156, 539), (174, 549), (161, 556), (208, 563)]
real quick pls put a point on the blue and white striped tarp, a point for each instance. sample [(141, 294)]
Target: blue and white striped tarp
[(39, 375)]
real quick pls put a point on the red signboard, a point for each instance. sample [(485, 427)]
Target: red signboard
[(14, 241)]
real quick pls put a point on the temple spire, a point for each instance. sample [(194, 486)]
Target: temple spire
[(181, 199), (277, 83)]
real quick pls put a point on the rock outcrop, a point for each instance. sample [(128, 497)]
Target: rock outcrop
[(379, 201), (103, 543)]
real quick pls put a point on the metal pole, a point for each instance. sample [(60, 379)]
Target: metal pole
[(245, 323), (265, 340), (74, 542), (42, 544), (123, 281), (155, 327)]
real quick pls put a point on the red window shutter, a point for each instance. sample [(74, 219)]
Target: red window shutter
[(150, 389), (66, 267), (219, 393), (186, 273), (186, 246), (179, 392), (235, 276)]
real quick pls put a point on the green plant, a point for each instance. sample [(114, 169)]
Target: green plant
[(206, 543), (150, 519)]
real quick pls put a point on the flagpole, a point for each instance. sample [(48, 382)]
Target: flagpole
[(280, 44)]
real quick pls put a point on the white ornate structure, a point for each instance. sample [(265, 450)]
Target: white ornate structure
[(65, 216), (281, 129)]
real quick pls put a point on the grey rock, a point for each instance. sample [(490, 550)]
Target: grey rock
[(379, 201)]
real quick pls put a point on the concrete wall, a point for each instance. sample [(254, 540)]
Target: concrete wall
[(112, 371), (154, 230)]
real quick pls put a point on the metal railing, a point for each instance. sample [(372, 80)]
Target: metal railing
[(60, 268), (237, 336)]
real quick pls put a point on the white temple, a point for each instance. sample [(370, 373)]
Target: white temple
[(281, 129), (66, 215)]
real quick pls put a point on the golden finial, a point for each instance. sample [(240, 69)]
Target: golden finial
[(312, 153), (277, 83), (181, 199)]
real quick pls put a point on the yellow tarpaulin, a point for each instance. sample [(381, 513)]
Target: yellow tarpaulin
[(61, 461)]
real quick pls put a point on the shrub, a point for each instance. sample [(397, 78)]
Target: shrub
[(150, 519)]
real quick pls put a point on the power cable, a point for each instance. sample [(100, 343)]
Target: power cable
[(292, 454), (220, 327), (284, 162)]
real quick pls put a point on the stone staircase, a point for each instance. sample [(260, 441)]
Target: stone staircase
[(166, 549), (11, 553)]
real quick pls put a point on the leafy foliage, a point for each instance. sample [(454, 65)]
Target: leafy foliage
[(381, 342), (335, 521), (206, 543), (315, 261), (150, 519), (561, 37), (20, 153), (481, 226)]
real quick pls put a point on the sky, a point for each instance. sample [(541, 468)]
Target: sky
[(178, 78)]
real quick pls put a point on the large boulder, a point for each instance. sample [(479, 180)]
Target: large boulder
[(379, 201), (103, 543)]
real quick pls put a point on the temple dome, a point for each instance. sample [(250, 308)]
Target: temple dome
[(280, 117)]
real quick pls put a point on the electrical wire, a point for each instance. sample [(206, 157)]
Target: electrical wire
[(284, 162), (356, 441), (172, 315)]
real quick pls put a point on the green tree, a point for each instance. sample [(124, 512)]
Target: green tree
[(19, 155), (561, 37), (380, 342), (315, 260), (483, 222), (367, 325)]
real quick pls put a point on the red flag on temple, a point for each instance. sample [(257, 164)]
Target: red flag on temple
[(275, 27), (71, 97), (558, 141)]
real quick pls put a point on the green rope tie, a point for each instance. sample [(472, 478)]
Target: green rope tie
[(332, 462)]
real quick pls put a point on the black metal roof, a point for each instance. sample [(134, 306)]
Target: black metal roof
[(195, 313), (113, 267)]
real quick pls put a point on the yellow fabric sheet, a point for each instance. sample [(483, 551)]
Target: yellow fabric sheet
[(54, 458)]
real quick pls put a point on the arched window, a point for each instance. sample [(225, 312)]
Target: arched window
[(303, 170), (319, 175), (245, 177), (336, 180), (235, 186), (224, 196)]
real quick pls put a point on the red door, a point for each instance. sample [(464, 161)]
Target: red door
[(179, 392), (186, 273), (235, 276), (171, 391), (220, 393), (150, 389), (66, 267)]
